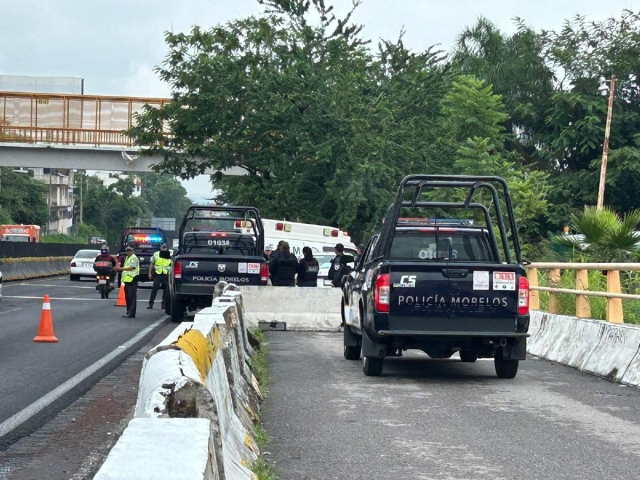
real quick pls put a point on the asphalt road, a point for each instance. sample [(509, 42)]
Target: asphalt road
[(87, 327), (437, 419)]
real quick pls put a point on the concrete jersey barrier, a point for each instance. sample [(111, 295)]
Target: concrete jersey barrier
[(302, 309), (34, 267), (608, 350), (199, 372), (146, 438)]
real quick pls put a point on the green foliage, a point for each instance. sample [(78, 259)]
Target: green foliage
[(604, 236), (326, 126), (474, 117), (259, 363), (108, 210), (22, 199), (165, 196), (597, 283)]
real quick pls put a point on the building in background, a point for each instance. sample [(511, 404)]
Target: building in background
[(109, 178), (60, 197), (21, 83)]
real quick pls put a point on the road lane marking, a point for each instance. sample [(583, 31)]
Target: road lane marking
[(81, 299), (39, 405), (43, 285), (9, 311)]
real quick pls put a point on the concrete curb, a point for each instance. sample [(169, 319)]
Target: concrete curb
[(199, 372), (34, 267), (604, 349)]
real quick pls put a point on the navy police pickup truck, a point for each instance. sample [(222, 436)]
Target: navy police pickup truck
[(441, 286), (145, 242), (215, 244)]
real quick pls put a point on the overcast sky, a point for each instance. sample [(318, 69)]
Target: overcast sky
[(114, 44)]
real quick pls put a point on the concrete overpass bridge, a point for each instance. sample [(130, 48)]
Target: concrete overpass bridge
[(87, 132)]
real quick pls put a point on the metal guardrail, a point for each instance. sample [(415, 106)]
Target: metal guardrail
[(69, 119), (615, 313)]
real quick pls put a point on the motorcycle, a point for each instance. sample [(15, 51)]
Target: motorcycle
[(104, 275)]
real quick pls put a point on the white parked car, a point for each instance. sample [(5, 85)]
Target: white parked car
[(82, 264)]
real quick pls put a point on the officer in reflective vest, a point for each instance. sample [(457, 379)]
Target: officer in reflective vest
[(130, 272), (159, 272)]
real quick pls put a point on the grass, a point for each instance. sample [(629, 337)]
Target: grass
[(260, 367), (598, 283), (259, 363)]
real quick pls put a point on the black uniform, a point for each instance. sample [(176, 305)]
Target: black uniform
[(283, 269), (337, 270), (308, 272)]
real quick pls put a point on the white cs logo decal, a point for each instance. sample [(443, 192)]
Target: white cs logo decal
[(406, 281)]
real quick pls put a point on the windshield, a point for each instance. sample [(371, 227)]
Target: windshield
[(470, 246), (15, 238), (205, 244), (88, 254)]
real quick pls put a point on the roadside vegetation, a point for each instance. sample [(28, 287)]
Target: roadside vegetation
[(260, 367)]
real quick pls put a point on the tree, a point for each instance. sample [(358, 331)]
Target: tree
[(604, 236), (109, 211), (23, 199), (165, 196), (324, 128), (475, 119)]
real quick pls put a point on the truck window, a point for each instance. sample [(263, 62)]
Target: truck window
[(457, 246), (199, 244)]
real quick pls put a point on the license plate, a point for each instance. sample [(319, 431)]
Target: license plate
[(87, 265), (102, 281)]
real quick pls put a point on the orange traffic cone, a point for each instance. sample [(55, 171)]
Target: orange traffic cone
[(45, 332), (122, 302)]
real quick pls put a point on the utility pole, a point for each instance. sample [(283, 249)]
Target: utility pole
[(605, 147), (81, 203)]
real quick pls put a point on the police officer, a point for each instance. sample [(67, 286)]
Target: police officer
[(337, 269), (159, 272), (308, 269), (130, 272), (283, 267)]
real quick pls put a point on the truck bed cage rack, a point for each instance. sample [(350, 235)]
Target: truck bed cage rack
[(258, 228), (473, 183)]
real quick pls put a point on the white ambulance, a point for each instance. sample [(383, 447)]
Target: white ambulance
[(321, 239)]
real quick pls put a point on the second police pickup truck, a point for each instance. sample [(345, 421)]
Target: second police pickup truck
[(145, 242), (442, 286), (215, 244)]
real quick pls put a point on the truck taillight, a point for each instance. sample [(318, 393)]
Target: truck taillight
[(264, 272), (177, 269), (382, 293), (523, 296)]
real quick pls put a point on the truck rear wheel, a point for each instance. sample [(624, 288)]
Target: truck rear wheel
[(505, 368), (177, 310), (371, 366), (468, 356)]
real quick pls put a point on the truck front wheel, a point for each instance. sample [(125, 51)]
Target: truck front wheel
[(372, 367), (505, 368), (351, 353)]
